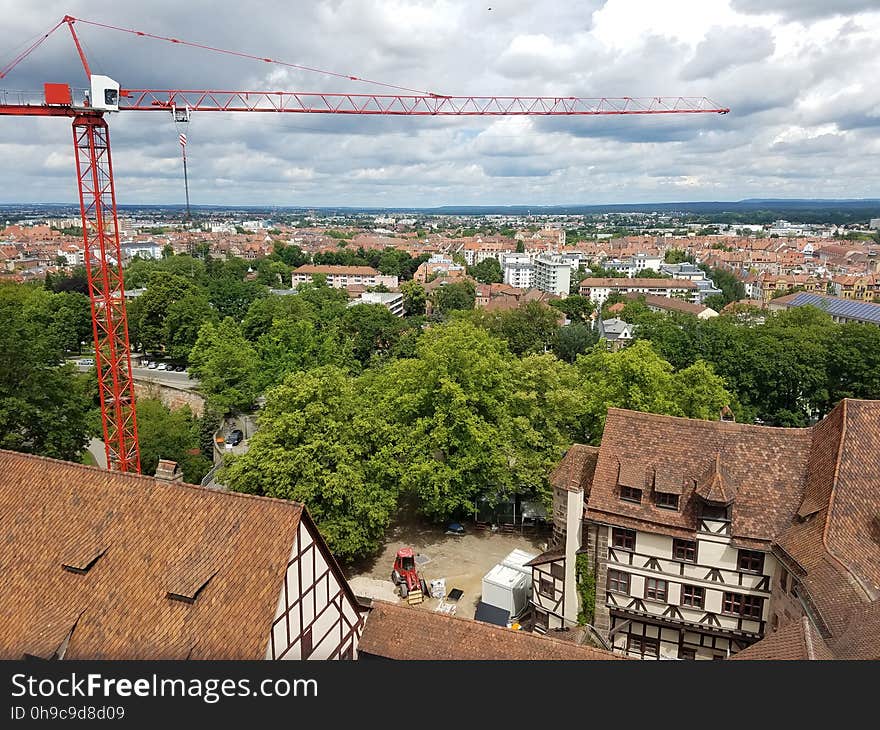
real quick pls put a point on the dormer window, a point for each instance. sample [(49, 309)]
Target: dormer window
[(718, 513), (631, 480), (631, 494), (668, 488), (666, 501)]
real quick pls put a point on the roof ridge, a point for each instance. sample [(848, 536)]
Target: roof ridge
[(150, 479), (808, 639), (732, 425)]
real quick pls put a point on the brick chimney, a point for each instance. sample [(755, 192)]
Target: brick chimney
[(168, 471)]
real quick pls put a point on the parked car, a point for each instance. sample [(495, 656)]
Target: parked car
[(179, 369), (153, 365), (162, 366), (235, 437), (86, 361)]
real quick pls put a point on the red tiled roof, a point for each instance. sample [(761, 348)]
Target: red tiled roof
[(397, 631), (128, 541), (766, 464), (795, 641), (575, 471), (337, 270)]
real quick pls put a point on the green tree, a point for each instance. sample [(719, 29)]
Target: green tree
[(71, 320), (265, 311), (291, 255), (370, 329), (394, 262), (163, 290), (488, 271), (322, 442), (677, 256), (530, 328), (638, 378), (573, 340), (232, 297), (715, 301), (275, 274), (414, 298), (45, 406), (227, 365), (183, 321), (586, 588), (167, 434), (451, 297), (575, 307)]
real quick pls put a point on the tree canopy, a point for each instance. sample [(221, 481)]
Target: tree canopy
[(46, 406)]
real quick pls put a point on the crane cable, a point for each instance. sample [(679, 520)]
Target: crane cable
[(252, 57)]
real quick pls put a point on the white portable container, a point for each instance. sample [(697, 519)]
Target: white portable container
[(508, 585)]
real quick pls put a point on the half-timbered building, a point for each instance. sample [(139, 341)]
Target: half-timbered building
[(706, 536), (105, 565)]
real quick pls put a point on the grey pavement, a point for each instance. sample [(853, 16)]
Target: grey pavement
[(163, 377)]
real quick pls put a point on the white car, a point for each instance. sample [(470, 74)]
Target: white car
[(86, 361), (161, 366)]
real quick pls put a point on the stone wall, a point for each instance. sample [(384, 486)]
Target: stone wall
[(596, 545), (171, 396)]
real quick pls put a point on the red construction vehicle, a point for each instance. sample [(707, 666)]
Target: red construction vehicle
[(406, 576)]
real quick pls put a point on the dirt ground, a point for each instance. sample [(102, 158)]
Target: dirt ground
[(461, 560)]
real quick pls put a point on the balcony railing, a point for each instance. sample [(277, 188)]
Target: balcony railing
[(687, 571)]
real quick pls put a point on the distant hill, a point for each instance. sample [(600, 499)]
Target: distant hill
[(751, 210)]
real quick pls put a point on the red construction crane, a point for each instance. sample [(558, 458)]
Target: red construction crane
[(94, 174)]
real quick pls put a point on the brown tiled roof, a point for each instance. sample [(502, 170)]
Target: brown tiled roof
[(575, 471), (835, 539), (128, 541), (716, 487), (861, 638), (397, 631), (797, 640), (810, 493), (546, 557), (766, 465), (336, 270)]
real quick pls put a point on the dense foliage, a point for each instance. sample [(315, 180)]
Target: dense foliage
[(175, 435), (46, 406)]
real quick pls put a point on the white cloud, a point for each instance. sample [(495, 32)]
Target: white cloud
[(799, 82)]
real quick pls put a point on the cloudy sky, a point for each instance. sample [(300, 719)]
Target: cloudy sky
[(800, 77)]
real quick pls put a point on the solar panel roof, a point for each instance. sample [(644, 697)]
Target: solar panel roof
[(862, 311)]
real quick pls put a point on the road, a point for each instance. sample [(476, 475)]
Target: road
[(163, 377)]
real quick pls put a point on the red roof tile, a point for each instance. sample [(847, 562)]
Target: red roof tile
[(397, 631), (129, 540)]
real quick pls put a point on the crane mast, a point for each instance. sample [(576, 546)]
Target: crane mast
[(97, 196)]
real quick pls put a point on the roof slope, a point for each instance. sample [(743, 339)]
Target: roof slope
[(134, 540), (575, 471), (835, 539), (398, 631), (766, 465), (797, 640)]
